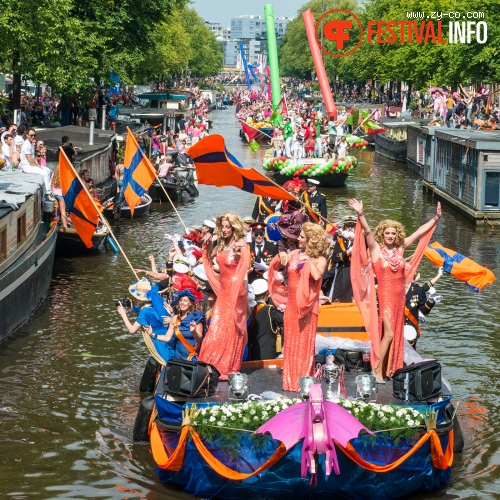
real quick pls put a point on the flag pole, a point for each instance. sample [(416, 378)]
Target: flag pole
[(169, 199), (159, 182), (101, 217), (364, 121), (300, 201)]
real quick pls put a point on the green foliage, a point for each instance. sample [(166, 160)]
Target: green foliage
[(419, 64)]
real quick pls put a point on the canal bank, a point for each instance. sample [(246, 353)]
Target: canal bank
[(69, 379)]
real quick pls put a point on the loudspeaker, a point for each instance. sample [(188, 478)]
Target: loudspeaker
[(190, 379)]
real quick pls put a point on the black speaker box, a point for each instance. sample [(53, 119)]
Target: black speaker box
[(190, 379)]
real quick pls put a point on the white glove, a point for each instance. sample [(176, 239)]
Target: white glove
[(260, 266), (440, 272), (421, 318), (437, 298)]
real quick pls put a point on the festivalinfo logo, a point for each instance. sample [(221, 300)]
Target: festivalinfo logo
[(339, 32)]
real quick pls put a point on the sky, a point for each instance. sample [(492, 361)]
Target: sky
[(221, 11)]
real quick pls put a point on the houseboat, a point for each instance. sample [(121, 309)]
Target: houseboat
[(393, 142), (27, 245), (462, 168)]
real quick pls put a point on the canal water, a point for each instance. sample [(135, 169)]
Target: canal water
[(69, 378)]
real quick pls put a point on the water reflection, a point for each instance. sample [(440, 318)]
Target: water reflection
[(69, 379)]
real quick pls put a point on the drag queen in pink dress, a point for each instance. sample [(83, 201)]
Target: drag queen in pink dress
[(386, 247), (226, 337), (305, 268)]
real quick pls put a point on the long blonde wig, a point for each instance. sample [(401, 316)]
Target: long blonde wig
[(235, 222), (316, 240), (383, 225)]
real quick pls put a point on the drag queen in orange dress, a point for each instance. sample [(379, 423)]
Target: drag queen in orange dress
[(305, 268), (386, 247), (226, 337)]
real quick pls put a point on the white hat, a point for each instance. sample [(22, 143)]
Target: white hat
[(199, 272), (180, 259), (181, 268), (312, 181), (139, 289), (249, 220), (209, 223), (259, 286)]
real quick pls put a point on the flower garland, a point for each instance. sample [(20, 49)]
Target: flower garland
[(400, 422)]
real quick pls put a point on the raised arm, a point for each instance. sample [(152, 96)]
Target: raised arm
[(370, 240), (423, 228)]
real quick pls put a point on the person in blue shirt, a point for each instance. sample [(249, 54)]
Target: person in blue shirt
[(152, 315), (187, 327)]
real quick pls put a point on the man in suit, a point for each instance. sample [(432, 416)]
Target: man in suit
[(315, 201), (264, 207), (262, 251)]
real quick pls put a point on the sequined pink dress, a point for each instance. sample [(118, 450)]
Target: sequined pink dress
[(226, 337), (390, 273), (301, 318)]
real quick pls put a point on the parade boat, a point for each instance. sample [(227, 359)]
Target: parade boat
[(28, 233), (342, 434), (70, 244), (114, 209), (329, 173)]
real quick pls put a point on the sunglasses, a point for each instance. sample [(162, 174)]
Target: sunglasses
[(258, 233), (31, 135)]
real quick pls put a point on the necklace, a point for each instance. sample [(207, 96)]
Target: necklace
[(392, 258)]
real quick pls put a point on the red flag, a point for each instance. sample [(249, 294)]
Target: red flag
[(284, 108), (82, 211), (216, 166), (249, 131), (138, 173)]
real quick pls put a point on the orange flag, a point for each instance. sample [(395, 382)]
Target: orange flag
[(82, 211), (138, 173), (216, 166)]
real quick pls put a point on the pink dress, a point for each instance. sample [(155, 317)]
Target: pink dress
[(301, 318), (226, 337), (390, 272)]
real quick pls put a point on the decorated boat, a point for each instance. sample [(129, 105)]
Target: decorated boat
[(329, 173), (341, 435)]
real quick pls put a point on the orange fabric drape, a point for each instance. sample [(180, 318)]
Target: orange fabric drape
[(228, 473), (175, 461), (439, 460)]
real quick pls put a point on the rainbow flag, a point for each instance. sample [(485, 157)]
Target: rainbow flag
[(79, 205), (138, 173), (459, 266), (216, 166)]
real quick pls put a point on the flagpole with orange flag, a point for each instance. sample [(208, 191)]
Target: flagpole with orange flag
[(130, 156), (216, 166), (83, 217)]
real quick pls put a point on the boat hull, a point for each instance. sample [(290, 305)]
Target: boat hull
[(23, 287), (177, 192), (70, 244), (390, 148), (284, 481), (328, 180)]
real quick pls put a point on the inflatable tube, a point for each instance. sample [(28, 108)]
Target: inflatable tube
[(148, 380), (272, 54), (142, 420), (112, 244), (324, 84)]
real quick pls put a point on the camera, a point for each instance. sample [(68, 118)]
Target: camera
[(163, 138), (126, 303)]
